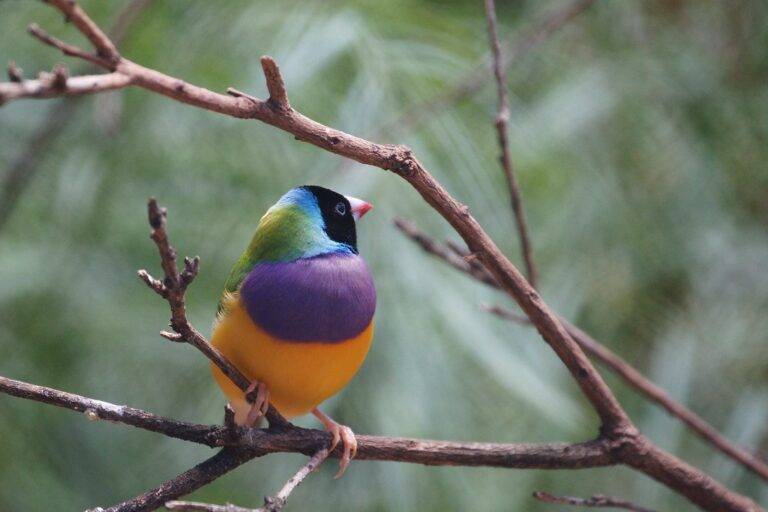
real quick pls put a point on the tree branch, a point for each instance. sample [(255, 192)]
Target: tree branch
[(67, 49), (628, 444), (610, 359), (502, 128), (596, 501), (310, 441)]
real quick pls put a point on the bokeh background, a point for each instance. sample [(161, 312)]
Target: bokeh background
[(640, 133)]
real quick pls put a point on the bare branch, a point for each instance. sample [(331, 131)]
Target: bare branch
[(596, 501), (67, 49), (502, 128), (614, 362), (310, 441)]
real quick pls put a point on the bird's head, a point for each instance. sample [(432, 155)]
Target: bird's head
[(309, 221)]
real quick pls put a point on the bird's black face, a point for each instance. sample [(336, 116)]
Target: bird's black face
[(337, 216)]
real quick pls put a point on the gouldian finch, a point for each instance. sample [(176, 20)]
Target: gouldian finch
[(296, 315)]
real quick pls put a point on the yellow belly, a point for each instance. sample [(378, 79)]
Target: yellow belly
[(299, 375)]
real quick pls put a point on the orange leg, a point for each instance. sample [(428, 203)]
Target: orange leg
[(260, 404), (339, 432)]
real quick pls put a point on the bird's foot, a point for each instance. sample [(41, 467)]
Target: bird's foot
[(260, 403), (340, 433)]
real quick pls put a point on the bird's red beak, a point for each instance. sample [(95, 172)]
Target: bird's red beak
[(359, 207)]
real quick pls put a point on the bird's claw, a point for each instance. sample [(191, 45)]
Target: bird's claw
[(340, 433), (350, 449), (260, 404)]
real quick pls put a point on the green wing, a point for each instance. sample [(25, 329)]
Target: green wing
[(281, 235)]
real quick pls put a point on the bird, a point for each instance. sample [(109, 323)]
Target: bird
[(296, 313)]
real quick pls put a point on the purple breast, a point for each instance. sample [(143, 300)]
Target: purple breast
[(327, 298)]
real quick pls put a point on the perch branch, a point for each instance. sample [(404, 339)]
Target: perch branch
[(67, 49), (632, 447), (309, 441), (596, 501), (502, 129)]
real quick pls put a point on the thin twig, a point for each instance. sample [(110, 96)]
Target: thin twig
[(67, 49), (502, 128), (596, 501)]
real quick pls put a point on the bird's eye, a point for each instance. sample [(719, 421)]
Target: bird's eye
[(340, 208)]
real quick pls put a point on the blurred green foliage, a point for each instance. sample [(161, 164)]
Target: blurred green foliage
[(640, 132)]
